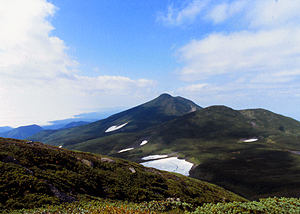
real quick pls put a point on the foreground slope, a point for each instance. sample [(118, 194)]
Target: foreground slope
[(161, 109), (254, 152), (34, 174)]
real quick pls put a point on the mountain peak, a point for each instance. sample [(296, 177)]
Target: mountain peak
[(159, 110), (164, 96), (175, 106)]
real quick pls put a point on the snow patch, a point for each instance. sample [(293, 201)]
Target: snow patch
[(114, 128), (125, 150), (250, 140), (152, 157), (144, 142), (172, 164)]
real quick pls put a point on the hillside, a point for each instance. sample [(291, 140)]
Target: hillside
[(74, 124), (162, 109), (254, 153), (5, 129), (33, 174), (22, 132)]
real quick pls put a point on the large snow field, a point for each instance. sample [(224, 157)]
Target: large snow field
[(172, 164), (114, 128)]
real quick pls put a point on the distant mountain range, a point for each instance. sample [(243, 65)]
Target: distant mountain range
[(5, 129), (23, 132)]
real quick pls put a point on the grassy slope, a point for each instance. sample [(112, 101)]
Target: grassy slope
[(269, 206), (34, 174), (212, 139)]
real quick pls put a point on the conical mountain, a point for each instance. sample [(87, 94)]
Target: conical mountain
[(162, 109)]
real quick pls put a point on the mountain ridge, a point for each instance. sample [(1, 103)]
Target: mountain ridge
[(220, 142), (159, 110), (22, 132)]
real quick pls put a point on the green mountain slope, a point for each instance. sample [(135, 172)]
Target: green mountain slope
[(34, 174), (215, 140), (159, 110)]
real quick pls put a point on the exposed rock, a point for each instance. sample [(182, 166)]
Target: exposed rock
[(28, 170), (173, 199), (30, 142), (103, 159), (61, 195), (10, 159), (87, 162), (253, 124), (132, 169), (152, 170)]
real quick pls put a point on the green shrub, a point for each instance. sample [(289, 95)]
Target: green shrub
[(269, 206)]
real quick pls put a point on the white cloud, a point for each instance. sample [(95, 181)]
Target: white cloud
[(272, 14), (263, 51), (221, 12), (185, 14), (267, 45), (109, 84), (26, 49), (39, 81), (193, 88)]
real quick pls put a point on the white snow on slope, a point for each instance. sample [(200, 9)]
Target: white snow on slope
[(125, 150), (114, 128), (172, 164), (152, 157), (143, 142), (250, 140)]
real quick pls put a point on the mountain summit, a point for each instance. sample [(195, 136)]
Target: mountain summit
[(173, 106), (159, 110)]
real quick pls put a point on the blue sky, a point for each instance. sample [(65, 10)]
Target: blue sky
[(60, 58)]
